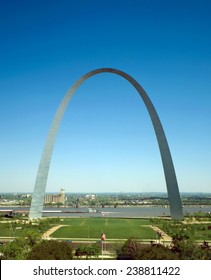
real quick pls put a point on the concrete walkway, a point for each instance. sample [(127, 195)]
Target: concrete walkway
[(47, 234), (164, 236)]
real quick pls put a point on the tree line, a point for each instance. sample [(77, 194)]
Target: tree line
[(32, 247)]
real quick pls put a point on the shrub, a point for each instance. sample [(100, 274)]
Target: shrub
[(51, 250)]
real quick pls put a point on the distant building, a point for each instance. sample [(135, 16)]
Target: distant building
[(55, 198), (90, 196)]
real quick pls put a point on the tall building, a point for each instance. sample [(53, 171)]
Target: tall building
[(56, 198)]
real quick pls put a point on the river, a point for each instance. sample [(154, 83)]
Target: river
[(139, 211)]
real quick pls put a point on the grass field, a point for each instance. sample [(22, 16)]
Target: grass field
[(113, 228)]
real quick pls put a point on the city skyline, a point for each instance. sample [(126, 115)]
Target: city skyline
[(106, 139)]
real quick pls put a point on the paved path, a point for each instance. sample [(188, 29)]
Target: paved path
[(47, 234), (164, 236)]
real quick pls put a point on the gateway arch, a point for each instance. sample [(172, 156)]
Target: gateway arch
[(168, 167)]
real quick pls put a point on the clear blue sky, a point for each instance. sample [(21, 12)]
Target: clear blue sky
[(106, 141)]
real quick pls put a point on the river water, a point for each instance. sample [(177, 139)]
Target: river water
[(141, 211)]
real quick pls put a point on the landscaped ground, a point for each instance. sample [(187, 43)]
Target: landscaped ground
[(197, 230), (202, 231), (113, 228)]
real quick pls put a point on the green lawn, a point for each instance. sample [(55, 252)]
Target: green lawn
[(114, 228), (202, 232), (196, 231), (13, 229)]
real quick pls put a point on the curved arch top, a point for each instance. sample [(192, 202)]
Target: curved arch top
[(168, 167)]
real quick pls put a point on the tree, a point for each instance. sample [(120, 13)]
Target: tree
[(51, 250), (19, 248), (16, 250), (32, 238), (187, 249), (88, 250), (135, 250)]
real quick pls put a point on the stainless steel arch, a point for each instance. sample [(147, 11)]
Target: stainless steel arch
[(42, 174)]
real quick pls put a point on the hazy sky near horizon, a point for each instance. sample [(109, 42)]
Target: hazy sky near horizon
[(106, 141)]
